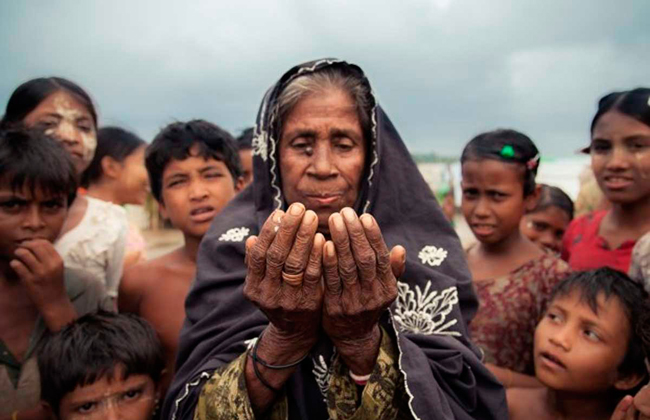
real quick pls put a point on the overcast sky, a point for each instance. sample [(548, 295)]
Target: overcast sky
[(444, 70)]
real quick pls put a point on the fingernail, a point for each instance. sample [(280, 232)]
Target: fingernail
[(349, 214), (338, 221), (366, 220), (278, 216), (296, 209), (329, 249), (309, 217)]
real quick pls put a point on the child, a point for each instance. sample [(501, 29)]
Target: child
[(588, 349), (93, 236), (546, 223), (103, 366), (245, 145), (194, 171), (620, 159), (117, 175), (512, 276), (37, 184)]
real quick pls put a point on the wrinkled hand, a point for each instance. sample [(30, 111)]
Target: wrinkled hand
[(40, 268), (284, 276), (360, 284)]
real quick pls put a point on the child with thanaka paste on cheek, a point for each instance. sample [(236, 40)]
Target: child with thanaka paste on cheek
[(94, 234), (117, 175), (113, 368), (589, 349), (546, 224), (512, 275), (37, 295), (620, 159), (194, 171)]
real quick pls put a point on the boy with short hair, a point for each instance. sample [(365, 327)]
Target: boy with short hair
[(102, 366), (38, 296), (589, 349), (194, 170)]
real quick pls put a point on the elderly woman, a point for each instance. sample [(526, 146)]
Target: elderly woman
[(300, 309)]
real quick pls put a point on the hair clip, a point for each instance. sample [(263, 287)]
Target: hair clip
[(532, 163), (508, 151)]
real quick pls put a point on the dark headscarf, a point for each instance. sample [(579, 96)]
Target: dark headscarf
[(444, 376)]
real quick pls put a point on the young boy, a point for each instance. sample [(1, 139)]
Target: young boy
[(37, 185), (589, 350), (103, 366), (194, 171)]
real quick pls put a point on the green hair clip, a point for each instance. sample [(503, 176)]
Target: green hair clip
[(508, 152)]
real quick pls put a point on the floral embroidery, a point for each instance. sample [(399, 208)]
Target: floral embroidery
[(322, 374), (432, 255), (260, 147), (425, 311), (250, 343), (235, 235)]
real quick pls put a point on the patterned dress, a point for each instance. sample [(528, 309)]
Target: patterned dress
[(510, 308)]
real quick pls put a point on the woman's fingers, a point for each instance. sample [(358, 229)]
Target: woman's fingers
[(363, 253), (376, 240), (398, 260), (279, 250), (347, 266), (257, 246), (314, 270), (296, 262), (331, 270)]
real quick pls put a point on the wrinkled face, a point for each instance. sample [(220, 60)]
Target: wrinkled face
[(246, 157), (546, 227), (61, 116), (620, 157), (578, 350), (132, 398), (132, 178), (194, 191), (493, 199), (322, 154), (25, 216)]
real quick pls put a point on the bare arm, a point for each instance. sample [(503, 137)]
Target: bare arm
[(130, 292)]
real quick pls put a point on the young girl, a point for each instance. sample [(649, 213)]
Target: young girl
[(512, 276), (620, 159), (94, 233), (546, 223), (117, 175)]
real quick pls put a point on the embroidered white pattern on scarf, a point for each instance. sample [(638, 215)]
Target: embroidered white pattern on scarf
[(260, 146), (235, 235), (322, 373), (432, 255), (425, 311)]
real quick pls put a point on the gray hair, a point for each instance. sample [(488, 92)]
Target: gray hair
[(332, 77)]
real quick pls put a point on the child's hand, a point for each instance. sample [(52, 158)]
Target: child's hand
[(625, 409), (634, 408), (40, 268)]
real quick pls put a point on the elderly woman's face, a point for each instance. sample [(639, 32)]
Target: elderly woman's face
[(322, 154)]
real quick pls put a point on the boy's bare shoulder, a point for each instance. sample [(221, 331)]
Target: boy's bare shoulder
[(527, 403)]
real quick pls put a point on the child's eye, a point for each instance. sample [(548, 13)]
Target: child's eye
[(213, 175), (87, 407), (12, 205), (470, 193), (592, 335), (175, 183), (53, 204), (553, 317), (132, 394), (600, 147), (539, 226)]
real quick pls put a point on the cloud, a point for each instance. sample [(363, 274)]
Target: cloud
[(443, 69)]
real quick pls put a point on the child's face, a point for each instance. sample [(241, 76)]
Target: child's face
[(194, 191), (25, 216), (132, 178), (546, 227), (493, 200), (61, 116), (133, 398), (620, 157), (578, 350)]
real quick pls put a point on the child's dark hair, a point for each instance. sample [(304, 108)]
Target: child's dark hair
[(633, 298), (30, 94), (114, 142), (31, 159), (245, 139), (92, 347), (553, 197), (633, 103), (507, 146), (175, 142)]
